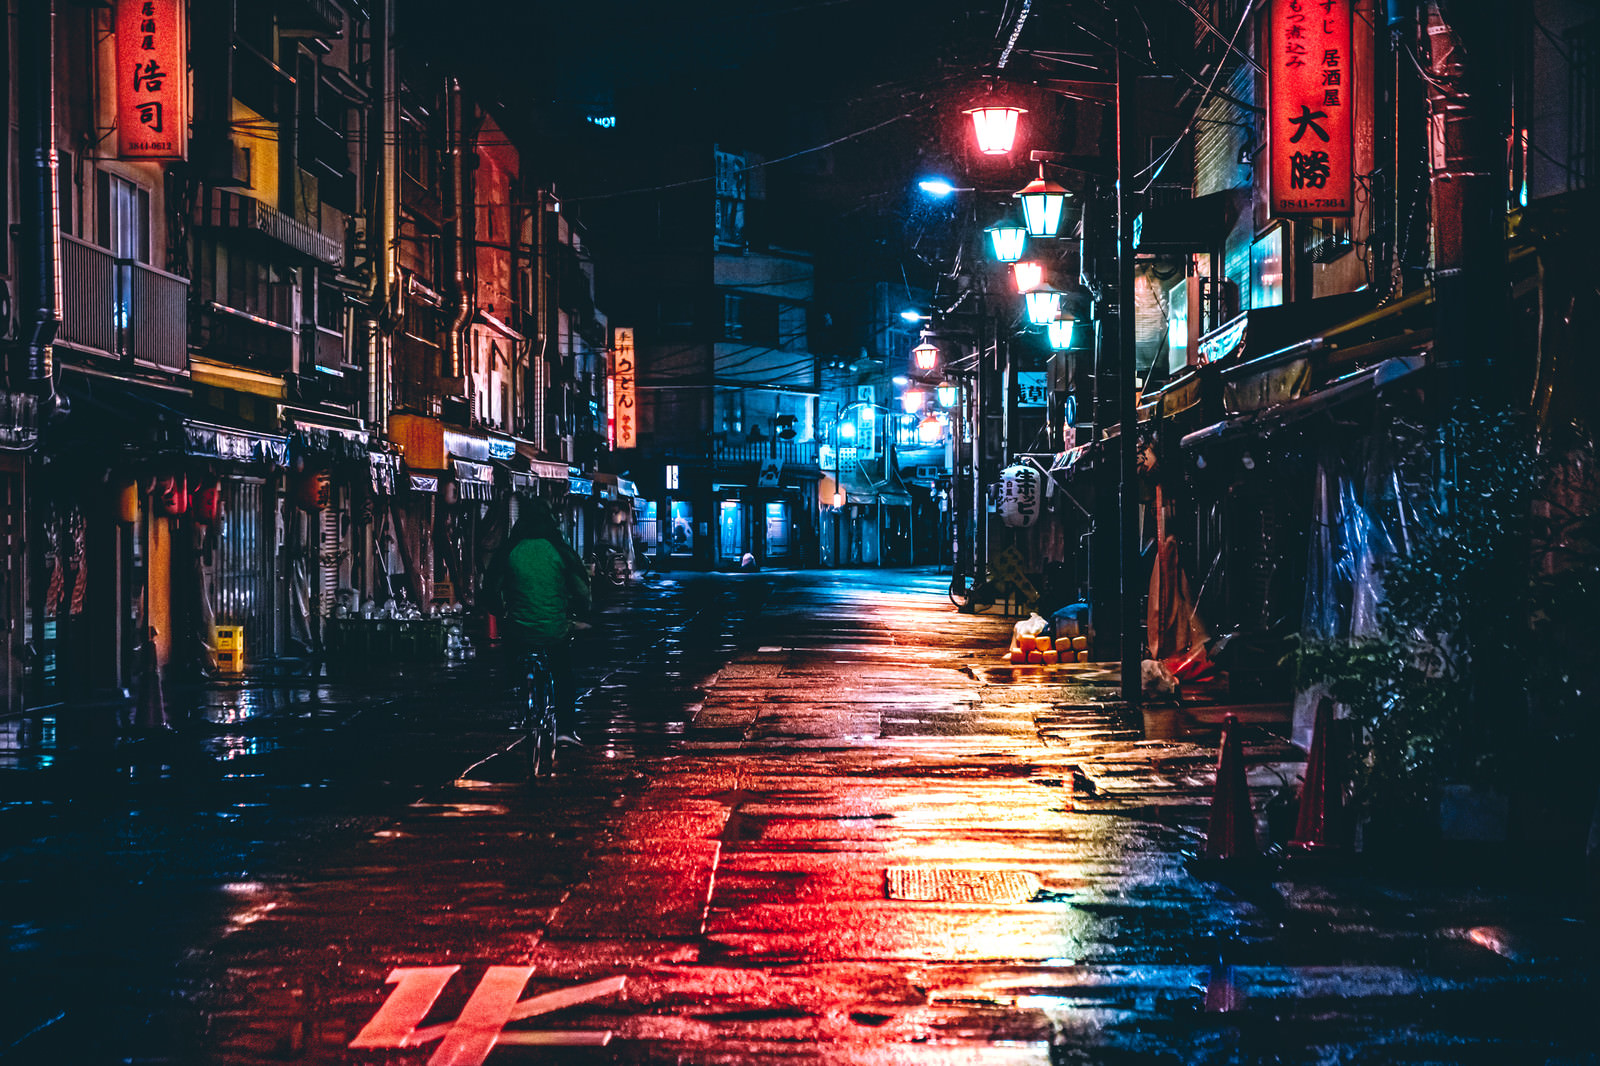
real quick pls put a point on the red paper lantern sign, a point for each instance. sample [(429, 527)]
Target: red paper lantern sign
[(208, 503), (170, 495), (313, 490)]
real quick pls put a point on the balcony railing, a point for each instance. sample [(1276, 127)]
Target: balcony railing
[(88, 297), (234, 336), (324, 346), (154, 307), (122, 308), (791, 452)]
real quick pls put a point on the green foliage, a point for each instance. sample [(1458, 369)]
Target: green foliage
[(1472, 672)]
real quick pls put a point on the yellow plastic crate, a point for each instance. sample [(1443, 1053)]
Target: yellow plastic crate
[(230, 649)]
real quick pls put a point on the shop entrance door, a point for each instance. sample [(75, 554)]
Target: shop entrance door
[(730, 532)]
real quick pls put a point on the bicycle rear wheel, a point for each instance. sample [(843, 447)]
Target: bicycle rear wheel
[(540, 740)]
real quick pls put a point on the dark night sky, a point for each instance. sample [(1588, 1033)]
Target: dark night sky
[(779, 77)]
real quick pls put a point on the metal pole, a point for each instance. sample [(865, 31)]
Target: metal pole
[(1127, 374)]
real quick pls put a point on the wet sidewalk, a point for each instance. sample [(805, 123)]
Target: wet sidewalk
[(811, 825)]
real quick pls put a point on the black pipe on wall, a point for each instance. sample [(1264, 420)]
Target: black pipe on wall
[(38, 247)]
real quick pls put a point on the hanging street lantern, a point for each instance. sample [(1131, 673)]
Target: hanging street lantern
[(1029, 274), (1007, 238), (1044, 305), (1020, 495), (995, 126), (1059, 331), (1042, 204), (949, 395), (930, 430), (911, 401), (925, 356)]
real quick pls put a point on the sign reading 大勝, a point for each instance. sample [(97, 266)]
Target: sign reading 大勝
[(1310, 129), (771, 473)]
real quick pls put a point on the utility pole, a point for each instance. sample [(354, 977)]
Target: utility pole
[(1127, 374)]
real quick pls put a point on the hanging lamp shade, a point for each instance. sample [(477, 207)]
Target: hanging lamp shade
[(948, 394), (1007, 238), (925, 356), (1029, 274), (995, 126), (1059, 330), (930, 430), (1042, 204), (1044, 305), (911, 401)]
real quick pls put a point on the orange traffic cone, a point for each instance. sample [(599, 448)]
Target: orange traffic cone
[(1320, 822), (1232, 832)]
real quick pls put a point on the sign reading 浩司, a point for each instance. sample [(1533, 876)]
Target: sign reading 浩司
[(152, 80), (1019, 495), (1310, 133)]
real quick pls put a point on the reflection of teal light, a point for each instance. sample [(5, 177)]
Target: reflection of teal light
[(936, 187)]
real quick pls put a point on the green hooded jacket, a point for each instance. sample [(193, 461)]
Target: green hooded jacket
[(538, 584)]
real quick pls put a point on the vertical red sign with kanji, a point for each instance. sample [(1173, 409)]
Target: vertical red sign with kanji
[(152, 79), (623, 370), (1310, 102)]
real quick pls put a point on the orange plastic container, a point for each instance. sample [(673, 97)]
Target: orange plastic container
[(1051, 657), (1036, 657), (1083, 656), (1042, 644), (1025, 643), (1019, 657)]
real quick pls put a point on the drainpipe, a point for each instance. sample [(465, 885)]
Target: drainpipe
[(458, 225), (40, 246), (382, 296)]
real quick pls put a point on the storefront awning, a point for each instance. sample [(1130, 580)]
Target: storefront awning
[(385, 470), (326, 433), (474, 480), (1351, 386), (861, 489), (240, 445)]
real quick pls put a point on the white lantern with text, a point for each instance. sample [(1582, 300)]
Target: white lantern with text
[(1020, 496)]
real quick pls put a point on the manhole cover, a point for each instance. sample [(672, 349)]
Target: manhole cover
[(948, 884)]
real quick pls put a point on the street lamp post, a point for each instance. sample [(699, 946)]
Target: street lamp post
[(1127, 473)]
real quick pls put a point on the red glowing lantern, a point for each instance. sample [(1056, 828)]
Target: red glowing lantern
[(995, 126), (208, 503), (170, 494), (313, 491)]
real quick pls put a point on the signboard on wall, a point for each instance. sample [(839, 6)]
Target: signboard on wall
[(1310, 104), (623, 370), (1032, 390), (152, 79)]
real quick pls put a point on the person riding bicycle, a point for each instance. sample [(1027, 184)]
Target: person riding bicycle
[(540, 590)]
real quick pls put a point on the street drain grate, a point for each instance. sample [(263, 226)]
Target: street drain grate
[(948, 884)]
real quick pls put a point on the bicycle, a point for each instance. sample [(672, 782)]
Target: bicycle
[(608, 563), (538, 724)]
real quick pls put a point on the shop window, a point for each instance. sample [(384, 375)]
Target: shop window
[(682, 527), (1266, 269), (730, 530), (777, 529), (733, 317)]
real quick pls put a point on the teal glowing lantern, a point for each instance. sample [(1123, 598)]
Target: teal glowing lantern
[(1007, 238)]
